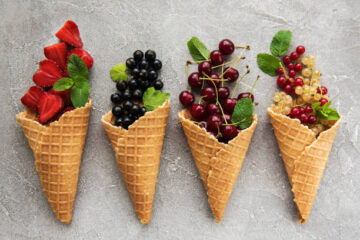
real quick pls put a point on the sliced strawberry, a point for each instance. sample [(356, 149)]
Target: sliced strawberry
[(48, 73), (67, 109), (65, 95), (70, 34), (57, 53), (84, 55), (32, 97), (49, 106)]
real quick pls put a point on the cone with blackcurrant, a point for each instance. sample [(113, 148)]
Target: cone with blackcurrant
[(304, 124), (219, 127), (136, 126)]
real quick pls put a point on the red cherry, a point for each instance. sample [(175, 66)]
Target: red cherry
[(300, 49), (281, 81), (301, 110), (286, 59), (231, 74), (211, 132), (280, 71), (186, 98), (223, 92), (323, 90), (288, 89), (227, 117), (216, 58), (323, 101), (229, 105), (226, 47), (194, 80), (290, 66), (210, 82), (294, 55), (246, 95), (294, 113), (298, 82), (291, 73), (205, 68), (208, 94), (229, 131), (312, 119), (303, 118), (309, 110), (298, 67), (212, 108), (198, 111), (214, 122)]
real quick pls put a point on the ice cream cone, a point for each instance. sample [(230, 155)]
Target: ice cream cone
[(57, 148), (304, 156), (138, 152), (218, 163)]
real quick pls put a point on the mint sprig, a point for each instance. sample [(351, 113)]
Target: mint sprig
[(280, 43), (325, 112), (78, 81), (198, 50), (118, 73), (152, 98), (268, 63), (242, 115)]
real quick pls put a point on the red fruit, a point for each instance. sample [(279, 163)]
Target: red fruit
[(208, 94), (194, 80), (205, 68), (294, 113), (229, 131), (312, 120), (223, 92), (212, 108), (298, 82), (198, 111), (210, 82), (227, 117), (48, 73), (226, 47), (32, 97), (65, 95), (301, 110), (303, 119), (186, 98), (216, 58), (231, 74), (67, 109), (298, 67), (281, 81), (323, 90), (280, 71), (294, 56), (57, 53), (70, 34), (288, 89), (300, 49), (286, 59), (49, 106), (246, 95), (323, 101), (84, 55), (291, 73), (229, 105), (308, 110), (214, 122), (290, 66)]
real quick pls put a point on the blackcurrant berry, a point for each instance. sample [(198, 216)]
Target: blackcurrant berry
[(117, 111), (116, 98), (135, 72), (143, 74), (150, 55), (144, 85), (137, 94), (158, 85), (152, 75), (131, 63), (121, 86), (138, 55), (126, 122), (132, 84), (157, 64), (127, 105), (142, 111), (127, 95), (118, 121), (135, 109), (143, 64)]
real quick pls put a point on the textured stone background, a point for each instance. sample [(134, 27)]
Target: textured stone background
[(261, 205)]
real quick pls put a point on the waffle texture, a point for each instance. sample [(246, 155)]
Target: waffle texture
[(57, 148), (304, 156), (219, 164), (138, 152)]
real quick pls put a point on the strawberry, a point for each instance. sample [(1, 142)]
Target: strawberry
[(57, 53), (32, 97), (84, 55), (70, 34), (65, 95), (67, 109), (48, 73), (49, 106)]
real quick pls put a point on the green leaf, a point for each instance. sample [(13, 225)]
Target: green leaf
[(118, 73), (280, 42), (77, 67), (268, 64), (80, 93), (243, 111), (152, 98), (325, 112), (63, 84), (198, 50), (315, 106), (333, 114)]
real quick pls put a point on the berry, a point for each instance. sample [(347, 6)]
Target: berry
[(198, 111), (223, 93), (135, 72), (246, 95), (208, 94), (194, 80), (65, 95), (131, 63), (32, 97), (48, 74), (309, 110), (323, 101), (213, 80), (127, 121), (231, 74), (133, 84), (137, 94), (138, 55), (205, 68), (226, 47), (229, 131), (135, 109), (127, 95), (158, 85), (298, 82), (286, 59), (144, 85), (229, 105), (143, 74), (303, 119), (312, 120), (70, 34), (118, 121), (117, 111), (294, 56), (301, 110), (323, 90), (49, 106), (214, 122), (212, 108), (298, 67), (150, 55), (291, 73), (280, 71), (84, 55), (227, 117), (152, 75), (121, 86), (216, 58), (290, 66), (300, 49), (157, 64), (57, 53), (127, 105), (294, 113), (186, 98), (281, 81), (116, 98), (288, 89), (143, 64), (142, 111)]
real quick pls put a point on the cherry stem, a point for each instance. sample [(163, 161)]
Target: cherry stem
[(217, 101), (214, 79), (187, 70), (236, 122), (257, 79), (234, 64), (238, 82), (240, 46), (192, 61), (222, 69), (226, 63), (200, 99)]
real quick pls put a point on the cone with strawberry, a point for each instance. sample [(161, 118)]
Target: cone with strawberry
[(55, 118), (304, 124), (219, 127)]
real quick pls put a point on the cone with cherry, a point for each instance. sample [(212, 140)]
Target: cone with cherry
[(219, 127), (304, 124)]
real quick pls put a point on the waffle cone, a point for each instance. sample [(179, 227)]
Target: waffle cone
[(219, 164), (304, 156), (57, 148), (138, 152)]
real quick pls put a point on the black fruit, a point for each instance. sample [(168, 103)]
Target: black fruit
[(118, 121), (126, 122), (144, 85), (152, 75), (116, 98), (127, 95), (157, 64), (135, 72), (127, 105), (150, 55), (121, 86), (143, 64), (132, 84), (135, 109), (138, 55), (137, 94), (158, 85), (117, 111), (143, 74), (131, 63), (142, 111)]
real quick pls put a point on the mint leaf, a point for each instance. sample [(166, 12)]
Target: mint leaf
[(118, 73), (63, 84), (198, 50), (315, 106), (77, 67), (80, 93), (243, 111), (333, 114), (280, 42), (268, 64), (152, 98), (325, 112)]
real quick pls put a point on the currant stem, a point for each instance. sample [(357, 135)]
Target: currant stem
[(283, 67), (238, 82)]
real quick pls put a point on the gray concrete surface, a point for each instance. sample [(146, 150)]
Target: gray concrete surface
[(261, 205)]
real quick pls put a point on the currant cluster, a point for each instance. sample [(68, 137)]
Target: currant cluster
[(213, 112), (128, 100)]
